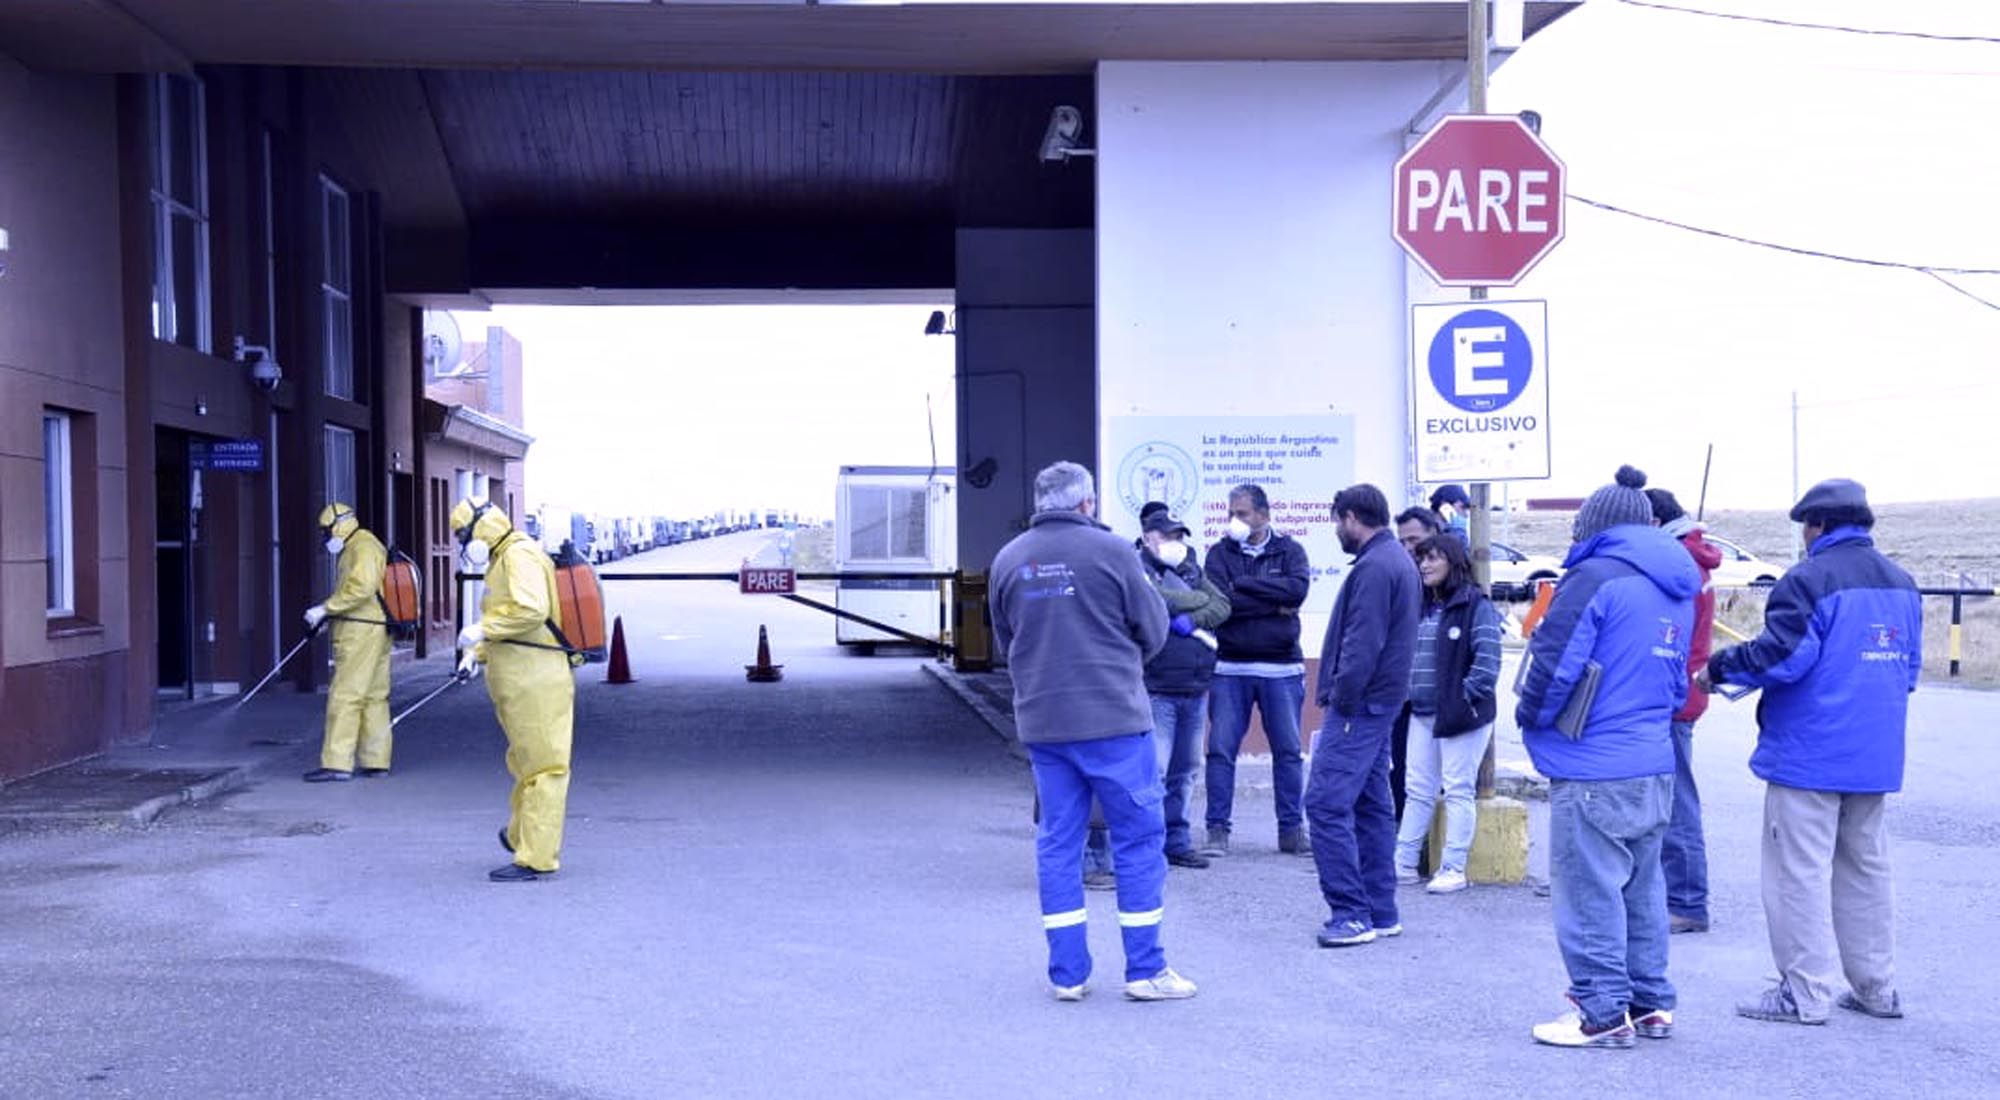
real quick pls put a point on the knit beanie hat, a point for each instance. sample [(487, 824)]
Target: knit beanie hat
[(1614, 505)]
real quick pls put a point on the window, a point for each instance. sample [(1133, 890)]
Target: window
[(336, 289), (888, 524), (180, 212), (340, 479), (59, 500)]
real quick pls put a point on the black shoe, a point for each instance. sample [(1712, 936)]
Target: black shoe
[(504, 842), (327, 775), (514, 872), (374, 773), (1293, 842), (1189, 858)]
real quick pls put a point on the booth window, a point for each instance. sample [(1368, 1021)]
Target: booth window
[(180, 212), (888, 525), (336, 289)]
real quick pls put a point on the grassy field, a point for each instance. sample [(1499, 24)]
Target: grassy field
[(1943, 545)]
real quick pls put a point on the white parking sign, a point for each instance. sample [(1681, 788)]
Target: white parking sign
[(1479, 386)]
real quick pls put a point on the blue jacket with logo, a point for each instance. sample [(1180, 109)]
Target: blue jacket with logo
[(1626, 601), (1842, 646)]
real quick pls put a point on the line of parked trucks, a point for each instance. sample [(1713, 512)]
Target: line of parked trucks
[(598, 537)]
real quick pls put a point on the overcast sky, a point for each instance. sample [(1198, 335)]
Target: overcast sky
[(1662, 341), (687, 410)]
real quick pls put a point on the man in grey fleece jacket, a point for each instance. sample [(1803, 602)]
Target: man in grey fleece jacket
[(1078, 621)]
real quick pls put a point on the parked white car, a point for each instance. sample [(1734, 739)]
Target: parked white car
[(1516, 572), (1740, 568)]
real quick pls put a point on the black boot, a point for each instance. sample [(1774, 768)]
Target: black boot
[(514, 872), (374, 773), (504, 842), (328, 775)]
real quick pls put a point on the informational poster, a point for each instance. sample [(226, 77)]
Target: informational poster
[(1192, 462)]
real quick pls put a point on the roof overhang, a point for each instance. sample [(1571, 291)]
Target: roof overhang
[(474, 429), (965, 36)]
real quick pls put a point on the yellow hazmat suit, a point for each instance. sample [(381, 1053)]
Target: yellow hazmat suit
[(533, 689), (357, 702)]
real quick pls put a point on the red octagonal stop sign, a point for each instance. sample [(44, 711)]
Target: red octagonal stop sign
[(1479, 200)]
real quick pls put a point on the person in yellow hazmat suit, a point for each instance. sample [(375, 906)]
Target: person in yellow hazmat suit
[(357, 702), (528, 677)]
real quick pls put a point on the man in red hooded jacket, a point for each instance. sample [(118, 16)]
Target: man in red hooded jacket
[(1683, 853)]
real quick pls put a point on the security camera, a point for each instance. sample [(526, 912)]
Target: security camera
[(264, 369), (1059, 141)]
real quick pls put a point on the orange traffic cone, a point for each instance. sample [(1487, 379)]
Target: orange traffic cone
[(620, 669), (763, 672)]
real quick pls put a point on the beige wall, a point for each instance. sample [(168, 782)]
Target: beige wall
[(59, 202)]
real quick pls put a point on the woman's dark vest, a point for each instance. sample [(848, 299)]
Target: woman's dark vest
[(1455, 713)]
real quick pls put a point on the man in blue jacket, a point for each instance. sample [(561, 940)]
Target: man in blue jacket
[(1840, 653), (1364, 679), (1606, 671), (1078, 620), (1266, 576)]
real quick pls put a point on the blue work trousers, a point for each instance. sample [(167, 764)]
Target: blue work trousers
[(1353, 819), (1123, 773)]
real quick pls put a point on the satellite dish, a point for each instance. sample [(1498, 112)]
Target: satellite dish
[(443, 349)]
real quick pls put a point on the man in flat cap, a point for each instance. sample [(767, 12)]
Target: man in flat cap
[(1840, 653)]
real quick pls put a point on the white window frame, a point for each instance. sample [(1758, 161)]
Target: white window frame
[(341, 485), (167, 207), (339, 376), (59, 497)]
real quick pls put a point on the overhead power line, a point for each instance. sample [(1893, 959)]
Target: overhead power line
[(1987, 302), (1933, 270), (1799, 25)]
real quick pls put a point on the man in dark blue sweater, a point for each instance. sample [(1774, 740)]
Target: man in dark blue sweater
[(1364, 679), (1259, 663)]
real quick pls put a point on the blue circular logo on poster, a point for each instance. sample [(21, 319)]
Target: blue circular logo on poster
[(1481, 360)]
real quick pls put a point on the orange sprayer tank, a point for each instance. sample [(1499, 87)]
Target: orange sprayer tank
[(402, 596), (582, 609)]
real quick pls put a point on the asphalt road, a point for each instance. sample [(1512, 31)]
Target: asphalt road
[(825, 887)]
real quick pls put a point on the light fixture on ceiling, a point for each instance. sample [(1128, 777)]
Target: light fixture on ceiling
[(1063, 139)]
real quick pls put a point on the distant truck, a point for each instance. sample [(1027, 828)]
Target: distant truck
[(561, 531), (893, 519)]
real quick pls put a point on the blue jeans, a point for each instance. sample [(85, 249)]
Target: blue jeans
[(1178, 724), (1278, 700), (1354, 819), (1122, 774), (1609, 894), (1684, 854)]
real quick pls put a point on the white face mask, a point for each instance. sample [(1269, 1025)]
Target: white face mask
[(1172, 553), (475, 554), (334, 544), (1239, 530)]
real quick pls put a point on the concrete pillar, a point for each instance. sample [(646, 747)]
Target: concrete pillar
[(1247, 282), (1027, 340)]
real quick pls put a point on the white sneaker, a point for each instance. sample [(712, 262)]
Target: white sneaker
[(1071, 992), (1164, 986), (1407, 876), (1384, 932), (1568, 1031), (1448, 881)]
